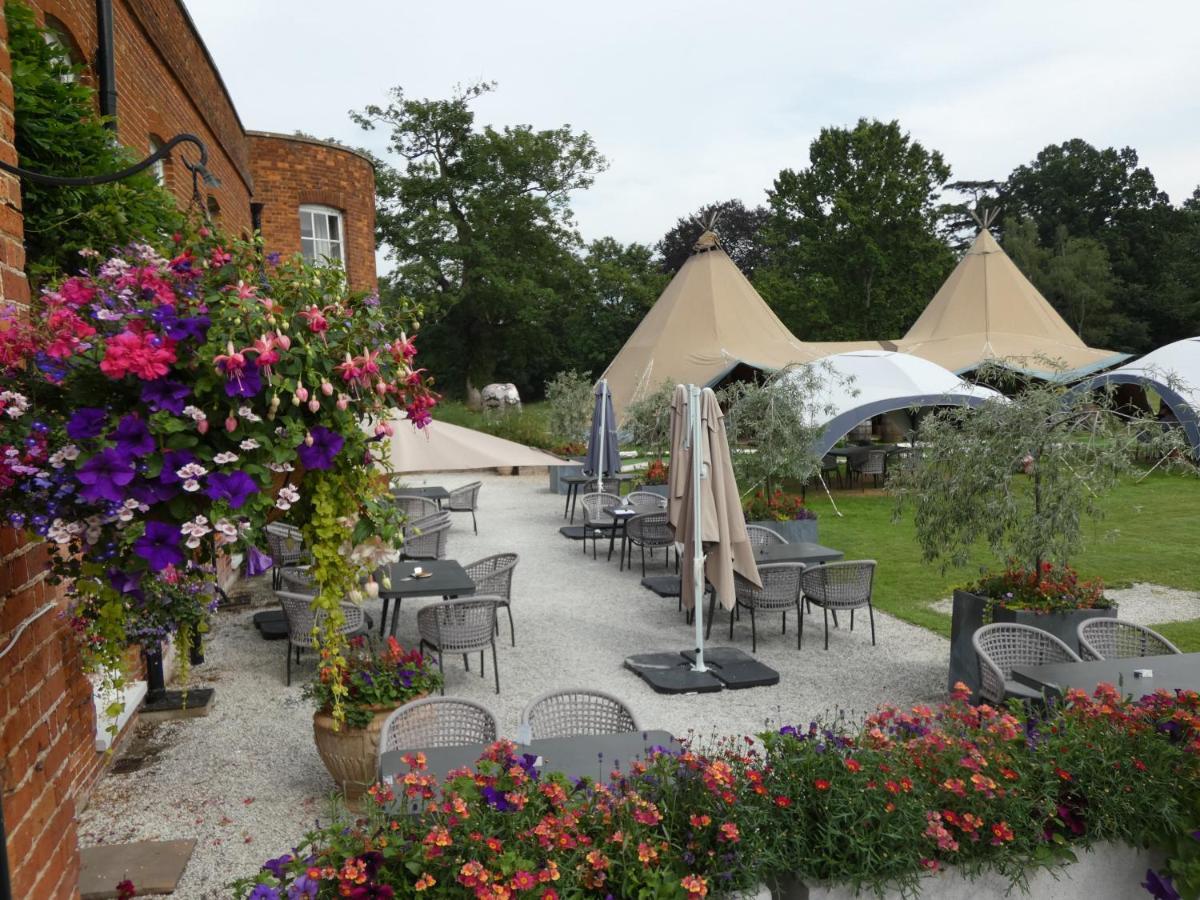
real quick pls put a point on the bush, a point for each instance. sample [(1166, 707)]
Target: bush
[(647, 421), (570, 397)]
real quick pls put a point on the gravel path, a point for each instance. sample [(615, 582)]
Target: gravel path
[(246, 781)]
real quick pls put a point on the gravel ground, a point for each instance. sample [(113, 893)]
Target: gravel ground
[(246, 781)]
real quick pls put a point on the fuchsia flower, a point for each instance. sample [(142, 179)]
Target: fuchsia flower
[(316, 320), (68, 332)]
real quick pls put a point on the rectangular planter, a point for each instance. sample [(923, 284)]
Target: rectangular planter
[(558, 473), (1060, 624), (794, 531), (663, 490)]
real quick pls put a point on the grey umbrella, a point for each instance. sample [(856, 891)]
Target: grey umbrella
[(603, 455)]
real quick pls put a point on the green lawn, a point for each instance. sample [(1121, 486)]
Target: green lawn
[(1150, 532)]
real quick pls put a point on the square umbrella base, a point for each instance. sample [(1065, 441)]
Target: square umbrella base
[(735, 668), (573, 532), (670, 673), (191, 704), (663, 585), (271, 624)]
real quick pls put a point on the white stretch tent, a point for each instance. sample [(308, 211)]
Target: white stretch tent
[(866, 383), (442, 447), (1172, 372)]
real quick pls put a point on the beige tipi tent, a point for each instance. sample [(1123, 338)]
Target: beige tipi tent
[(708, 321), (988, 311)]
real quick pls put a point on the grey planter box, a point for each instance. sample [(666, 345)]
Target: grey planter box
[(663, 490), (558, 473), (794, 531), (970, 613)]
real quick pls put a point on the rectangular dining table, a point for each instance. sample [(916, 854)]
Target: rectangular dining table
[(434, 492), (1175, 671), (447, 578)]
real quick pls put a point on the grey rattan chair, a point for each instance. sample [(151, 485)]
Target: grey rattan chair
[(493, 576), (286, 546), (460, 626), (649, 530), (296, 579), (1004, 645), (1103, 638), (596, 522), (839, 585), (831, 465), (436, 722), (466, 499), (645, 501), (302, 619), (780, 592), (426, 538), (415, 507), (577, 711), (873, 463), (761, 536)]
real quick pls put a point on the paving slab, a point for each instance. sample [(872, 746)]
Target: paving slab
[(154, 867)]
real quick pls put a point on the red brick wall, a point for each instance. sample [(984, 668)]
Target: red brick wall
[(48, 759), (167, 84), (291, 171)]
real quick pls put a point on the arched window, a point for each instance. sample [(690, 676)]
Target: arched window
[(58, 38), (321, 234), (214, 208)]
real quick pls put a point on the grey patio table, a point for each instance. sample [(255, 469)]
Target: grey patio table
[(1176, 671), (447, 579), (586, 756), (621, 515), (574, 482), (430, 492), (802, 552)]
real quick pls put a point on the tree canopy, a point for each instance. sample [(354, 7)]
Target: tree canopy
[(738, 226)]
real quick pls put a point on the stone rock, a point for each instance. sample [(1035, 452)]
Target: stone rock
[(500, 396)]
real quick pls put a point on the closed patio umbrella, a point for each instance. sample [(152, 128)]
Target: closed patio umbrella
[(603, 454)]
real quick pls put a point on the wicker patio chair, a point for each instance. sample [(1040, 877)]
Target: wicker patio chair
[(1003, 646), (596, 522), (780, 592), (493, 576), (837, 586), (302, 619), (460, 626), (873, 463), (286, 546), (577, 711), (297, 580), (436, 722), (426, 538), (650, 530), (646, 501), (830, 464), (466, 499), (761, 536), (415, 507), (1117, 639)]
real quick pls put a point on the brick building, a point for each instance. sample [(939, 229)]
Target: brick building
[(158, 79)]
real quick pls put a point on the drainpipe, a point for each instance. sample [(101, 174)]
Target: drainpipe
[(256, 210), (106, 66)]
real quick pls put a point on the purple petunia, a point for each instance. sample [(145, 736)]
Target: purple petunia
[(104, 475), (129, 583), (304, 888), (1160, 886), (277, 865), (132, 436), (257, 562), (235, 487), (179, 328), (163, 394), (263, 892), (247, 384), (325, 446), (159, 545), (150, 491), (173, 461), (86, 422)]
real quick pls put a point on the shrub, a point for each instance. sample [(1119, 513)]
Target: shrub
[(776, 507), (570, 397), (647, 420), (1049, 589), (392, 677), (656, 473)]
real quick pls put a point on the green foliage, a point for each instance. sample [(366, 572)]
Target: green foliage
[(648, 420), (1022, 476), (527, 425), (478, 223), (371, 681), (570, 398), (738, 228), (855, 251), (57, 132)]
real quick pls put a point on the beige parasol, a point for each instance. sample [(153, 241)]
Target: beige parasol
[(442, 447)]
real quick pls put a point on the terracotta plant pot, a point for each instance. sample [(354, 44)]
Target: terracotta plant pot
[(351, 754)]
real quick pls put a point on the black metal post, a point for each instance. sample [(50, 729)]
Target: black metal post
[(256, 210), (156, 684), (106, 64)]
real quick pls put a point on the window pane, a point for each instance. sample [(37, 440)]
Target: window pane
[(335, 250), (321, 227), (307, 250), (306, 228), (334, 231)]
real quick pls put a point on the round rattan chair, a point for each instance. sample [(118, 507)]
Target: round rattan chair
[(1003, 646), (596, 522), (649, 530), (761, 536), (302, 620), (460, 626), (780, 592), (1103, 638), (645, 501), (436, 722), (286, 546), (466, 499), (426, 538), (493, 576), (837, 586), (415, 507), (577, 711)]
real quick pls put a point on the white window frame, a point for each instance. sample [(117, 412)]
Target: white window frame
[(318, 249), (159, 168), (58, 41)]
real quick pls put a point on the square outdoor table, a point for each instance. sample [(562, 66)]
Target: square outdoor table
[(574, 482), (429, 492), (800, 551), (1175, 671), (621, 515), (449, 579), (590, 756)]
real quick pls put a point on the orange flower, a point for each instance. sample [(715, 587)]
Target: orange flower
[(699, 821), (729, 832), (1001, 833), (646, 853), (853, 765), (695, 886), (425, 882), (821, 784)]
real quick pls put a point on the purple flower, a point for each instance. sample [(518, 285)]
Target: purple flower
[(104, 475), (304, 888), (263, 892), (496, 799), (179, 329), (234, 487), (129, 583), (87, 422), (325, 446), (151, 492), (159, 545), (173, 461), (1160, 886), (165, 394), (248, 384), (132, 436), (257, 562), (276, 866)]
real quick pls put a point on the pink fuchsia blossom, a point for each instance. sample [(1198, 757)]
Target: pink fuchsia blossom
[(315, 317), (67, 333)]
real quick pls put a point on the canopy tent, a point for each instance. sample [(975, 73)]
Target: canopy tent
[(1172, 372), (442, 447), (987, 311), (708, 321), (859, 385)]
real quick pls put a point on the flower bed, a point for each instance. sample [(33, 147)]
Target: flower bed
[(876, 805)]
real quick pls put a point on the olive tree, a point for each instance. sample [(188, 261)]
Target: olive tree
[(648, 420), (1021, 475), (569, 396)]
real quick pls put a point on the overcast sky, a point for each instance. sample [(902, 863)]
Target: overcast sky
[(694, 102)]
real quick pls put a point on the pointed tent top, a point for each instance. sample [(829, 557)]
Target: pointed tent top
[(987, 310), (707, 241)]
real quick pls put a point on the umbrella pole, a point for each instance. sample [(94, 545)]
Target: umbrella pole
[(694, 430), (603, 429), (829, 495)]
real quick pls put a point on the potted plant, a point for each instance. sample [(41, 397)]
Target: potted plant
[(1020, 476), (783, 513), (655, 477), (371, 685), (569, 397)]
